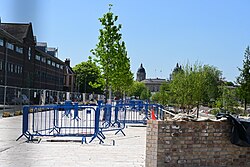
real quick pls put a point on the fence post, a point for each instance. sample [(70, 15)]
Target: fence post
[(97, 116), (146, 110), (157, 111), (108, 113), (116, 111), (25, 127), (161, 113), (25, 118)]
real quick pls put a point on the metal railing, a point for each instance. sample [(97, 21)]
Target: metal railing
[(71, 119), (13, 98)]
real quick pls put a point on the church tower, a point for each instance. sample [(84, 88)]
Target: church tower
[(141, 74)]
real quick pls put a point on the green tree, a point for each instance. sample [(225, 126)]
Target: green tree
[(212, 77), (156, 97), (180, 87), (111, 55), (88, 77), (137, 88), (162, 96), (199, 86), (244, 79), (145, 94), (228, 99), (194, 85)]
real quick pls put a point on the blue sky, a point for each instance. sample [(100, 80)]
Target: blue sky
[(157, 33)]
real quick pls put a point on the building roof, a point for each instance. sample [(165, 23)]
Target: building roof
[(49, 56), (153, 81), (69, 70), (17, 30)]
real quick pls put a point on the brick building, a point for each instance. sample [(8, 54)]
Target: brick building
[(26, 63)]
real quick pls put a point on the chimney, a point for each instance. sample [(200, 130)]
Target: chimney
[(67, 62)]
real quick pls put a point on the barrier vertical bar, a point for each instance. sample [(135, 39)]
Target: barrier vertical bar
[(107, 113), (161, 113), (157, 111), (146, 111), (116, 113), (25, 118), (97, 120), (25, 124)]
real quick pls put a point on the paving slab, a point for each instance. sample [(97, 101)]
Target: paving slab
[(117, 150)]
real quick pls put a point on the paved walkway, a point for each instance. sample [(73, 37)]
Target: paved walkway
[(128, 151)]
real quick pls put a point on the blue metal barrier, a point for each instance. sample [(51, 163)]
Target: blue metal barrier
[(61, 120), (84, 121), (113, 119)]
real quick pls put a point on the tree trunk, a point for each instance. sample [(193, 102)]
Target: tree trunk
[(197, 111)]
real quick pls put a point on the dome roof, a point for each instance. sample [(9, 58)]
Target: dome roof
[(141, 69)]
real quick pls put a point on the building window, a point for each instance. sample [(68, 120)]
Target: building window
[(48, 62), (43, 59), (38, 57), (53, 64), (57, 65), (1, 42), (21, 70), (11, 67), (19, 49), (15, 68), (10, 46), (29, 53), (61, 67)]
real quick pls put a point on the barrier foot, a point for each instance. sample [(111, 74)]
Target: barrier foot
[(120, 130), (102, 135), (22, 136), (101, 141), (28, 136), (55, 128)]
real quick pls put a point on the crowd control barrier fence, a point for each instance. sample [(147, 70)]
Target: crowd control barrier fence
[(61, 120), (84, 121)]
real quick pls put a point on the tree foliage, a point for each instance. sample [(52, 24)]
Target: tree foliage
[(145, 94), (111, 55), (139, 90), (228, 99), (88, 77), (244, 79), (163, 96), (195, 85)]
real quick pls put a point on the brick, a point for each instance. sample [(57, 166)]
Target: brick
[(197, 144), (182, 161)]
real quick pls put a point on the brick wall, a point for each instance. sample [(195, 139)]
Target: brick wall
[(187, 143)]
